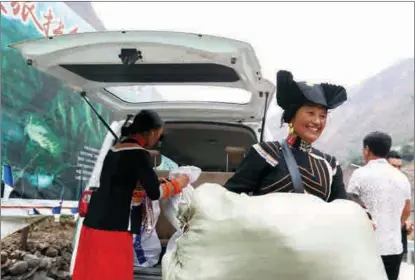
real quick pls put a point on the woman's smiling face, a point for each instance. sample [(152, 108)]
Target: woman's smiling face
[(309, 122)]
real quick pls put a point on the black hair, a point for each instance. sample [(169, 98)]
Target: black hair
[(379, 143), (144, 121), (289, 113), (393, 154)]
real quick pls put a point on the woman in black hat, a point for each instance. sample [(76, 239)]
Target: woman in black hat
[(265, 170), (105, 244)]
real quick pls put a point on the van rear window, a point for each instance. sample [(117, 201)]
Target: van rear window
[(180, 93)]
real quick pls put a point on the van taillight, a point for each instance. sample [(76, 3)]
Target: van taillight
[(84, 202)]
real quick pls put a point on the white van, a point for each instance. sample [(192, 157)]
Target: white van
[(208, 89)]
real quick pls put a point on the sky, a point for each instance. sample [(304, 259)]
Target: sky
[(342, 43), (337, 42)]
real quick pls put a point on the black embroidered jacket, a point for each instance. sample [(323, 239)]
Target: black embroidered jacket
[(125, 165), (264, 171)]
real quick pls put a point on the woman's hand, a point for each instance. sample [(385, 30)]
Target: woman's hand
[(174, 186), (162, 180), (409, 227), (182, 180)]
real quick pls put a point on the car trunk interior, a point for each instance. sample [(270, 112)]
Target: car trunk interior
[(213, 147), (216, 148)]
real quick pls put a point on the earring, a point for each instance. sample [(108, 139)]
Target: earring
[(290, 129)]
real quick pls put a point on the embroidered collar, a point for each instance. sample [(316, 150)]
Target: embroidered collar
[(298, 143), (138, 139)]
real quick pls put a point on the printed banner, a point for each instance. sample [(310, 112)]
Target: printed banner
[(50, 137)]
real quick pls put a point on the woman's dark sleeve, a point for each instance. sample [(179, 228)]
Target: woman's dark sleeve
[(338, 189), (146, 174), (247, 177)]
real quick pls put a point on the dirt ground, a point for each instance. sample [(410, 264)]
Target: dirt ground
[(47, 255)]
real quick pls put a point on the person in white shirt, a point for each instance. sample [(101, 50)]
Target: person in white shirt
[(385, 191), (395, 159)]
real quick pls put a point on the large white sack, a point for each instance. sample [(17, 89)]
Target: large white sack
[(277, 236)]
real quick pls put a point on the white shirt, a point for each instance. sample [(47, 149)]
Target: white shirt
[(383, 189)]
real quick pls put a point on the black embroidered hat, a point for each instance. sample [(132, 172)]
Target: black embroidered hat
[(291, 95)]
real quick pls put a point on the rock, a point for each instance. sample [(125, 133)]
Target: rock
[(6, 264), (45, 263), (30, 273), (66, 267), (18, 268), (32, 260), (42, 246), (40, 275), (66, 256), (15, 255), (52, 252), (52, 273), (63, 275), (47, 256), (59, 261), (4, 257)]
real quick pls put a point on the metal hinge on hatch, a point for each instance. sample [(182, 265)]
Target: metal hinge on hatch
[(261, 94), (83, 95)]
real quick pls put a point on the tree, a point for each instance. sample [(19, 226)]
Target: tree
[(357, 159), (407, 152)]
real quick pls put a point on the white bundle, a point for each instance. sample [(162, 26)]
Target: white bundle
[(276, 236), (192, 172), (171, 205), (147, 246)]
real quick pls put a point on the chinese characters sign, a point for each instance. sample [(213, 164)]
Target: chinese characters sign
[(49, 136), (45, 20)]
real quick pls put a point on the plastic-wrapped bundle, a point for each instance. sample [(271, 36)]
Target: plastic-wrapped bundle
[(171, 205), (147, 246), (276, 236)]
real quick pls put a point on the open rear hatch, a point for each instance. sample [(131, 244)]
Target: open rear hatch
[(127, 71), (216, 80)]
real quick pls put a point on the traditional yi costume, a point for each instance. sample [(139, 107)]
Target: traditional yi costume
[(264, 169), (115, 212)]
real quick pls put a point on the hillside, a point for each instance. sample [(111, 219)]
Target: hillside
[(383, 102)]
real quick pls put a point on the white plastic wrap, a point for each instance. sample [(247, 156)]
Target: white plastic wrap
[(192, 172), (171, 205), (276, 236), (147, 246)]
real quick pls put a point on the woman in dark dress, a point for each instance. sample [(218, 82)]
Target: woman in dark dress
[(105, 245), (264, 169)]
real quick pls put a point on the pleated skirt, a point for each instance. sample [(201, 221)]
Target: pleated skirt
[(104, 255)]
